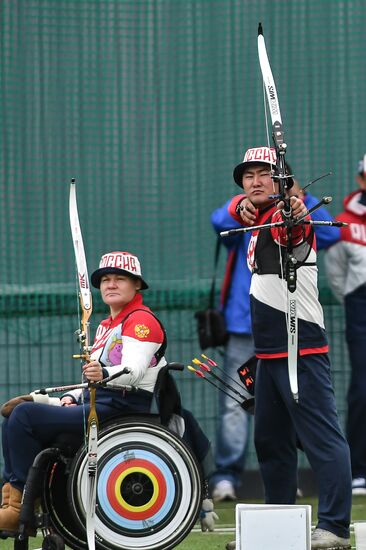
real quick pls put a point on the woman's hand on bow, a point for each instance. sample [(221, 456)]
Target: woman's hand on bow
[(93, 371)]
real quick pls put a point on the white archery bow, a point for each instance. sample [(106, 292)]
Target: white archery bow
[(84, 338), (285, 183), (280, 145)]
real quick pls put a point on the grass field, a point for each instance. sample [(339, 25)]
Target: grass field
[(225, 528)]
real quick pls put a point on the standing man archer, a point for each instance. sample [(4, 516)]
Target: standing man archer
[(279, 419), (234, 422)]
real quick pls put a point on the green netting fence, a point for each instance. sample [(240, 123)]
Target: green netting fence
[(149, 104)]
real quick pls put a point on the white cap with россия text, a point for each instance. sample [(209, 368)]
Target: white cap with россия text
[(256, 155), (122, 263)]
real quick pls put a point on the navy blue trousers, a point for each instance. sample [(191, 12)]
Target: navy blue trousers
[(355, 309), (280, 422), (32, 427)]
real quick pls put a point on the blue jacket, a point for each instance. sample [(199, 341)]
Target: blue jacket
[(236, 285)]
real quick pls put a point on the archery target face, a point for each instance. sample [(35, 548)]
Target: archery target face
[(144, 488), (137, 488)]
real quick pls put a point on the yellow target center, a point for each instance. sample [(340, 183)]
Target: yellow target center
[(122, 501)]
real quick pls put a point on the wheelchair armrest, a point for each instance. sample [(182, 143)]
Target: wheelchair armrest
[(175, 366)]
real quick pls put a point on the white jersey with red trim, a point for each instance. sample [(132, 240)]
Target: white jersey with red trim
[(129, 340), (345, 262), (268, 291)]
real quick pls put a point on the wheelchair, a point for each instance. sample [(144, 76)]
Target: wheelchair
[(149, 485)]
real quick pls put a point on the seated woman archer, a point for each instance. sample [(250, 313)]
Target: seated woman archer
[(131, 337)]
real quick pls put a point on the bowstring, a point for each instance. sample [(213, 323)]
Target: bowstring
[(284, 290)]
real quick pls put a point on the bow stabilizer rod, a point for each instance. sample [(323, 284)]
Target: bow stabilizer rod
[(102, 383)]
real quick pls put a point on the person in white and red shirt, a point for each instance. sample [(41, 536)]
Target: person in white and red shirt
[(345, 264), (280, 421), (130, 337)]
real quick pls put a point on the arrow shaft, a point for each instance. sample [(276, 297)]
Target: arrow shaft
[(227, 375), (219, 388), (228, 386)]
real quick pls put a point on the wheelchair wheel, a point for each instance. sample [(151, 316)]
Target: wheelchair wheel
[(57, 507), (149, 487), (21, 544), (53, 542)]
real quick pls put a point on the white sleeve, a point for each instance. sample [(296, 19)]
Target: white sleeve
[(75, 394), (336, 262), (136, 357)]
